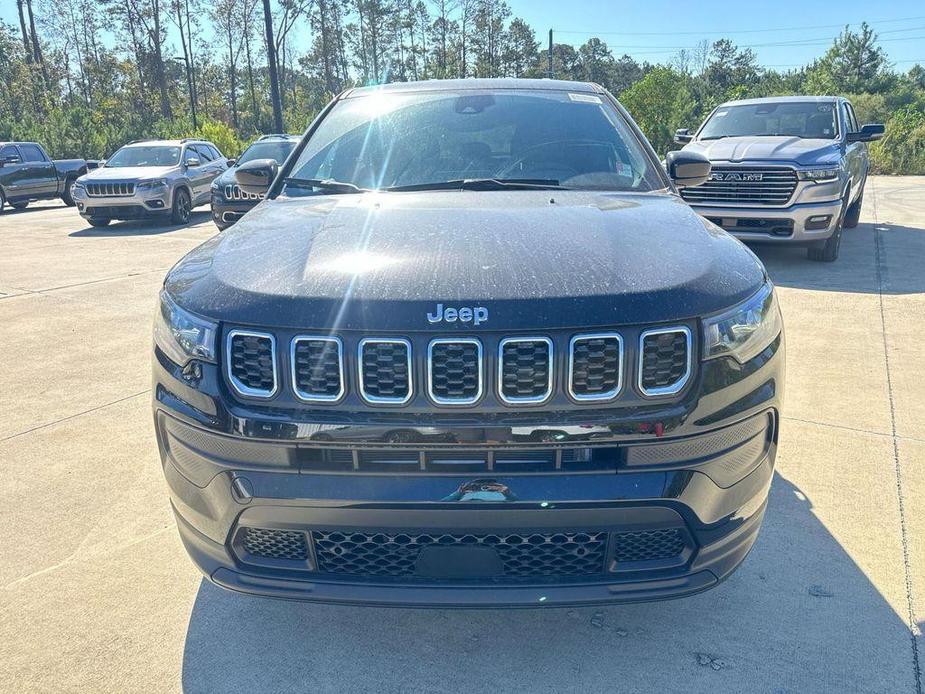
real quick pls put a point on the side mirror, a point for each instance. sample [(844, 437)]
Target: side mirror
[(192, 162), (9, 159), (868, 133), (255, 176), (682, 136), (687, 169), (231, 162)]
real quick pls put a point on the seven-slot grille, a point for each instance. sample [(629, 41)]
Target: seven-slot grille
[(454, 371), (233, 192), (252, 363), (525, 369), (731, 185), (317, 368), (107, 190), (385, 370), (664, 360), (595, 366)]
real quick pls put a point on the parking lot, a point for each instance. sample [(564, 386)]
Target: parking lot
[(98, 594)]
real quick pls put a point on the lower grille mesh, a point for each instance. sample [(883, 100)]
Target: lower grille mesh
[(275, 544), (565, 555), (648, 545)]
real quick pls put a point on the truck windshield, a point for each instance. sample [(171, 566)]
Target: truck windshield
[(268, 150), (501, 138), (804, 119), (156, 155)]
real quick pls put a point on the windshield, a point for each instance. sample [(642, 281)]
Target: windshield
[(277, 151), (381, 140), (805, 119), (155, 155)]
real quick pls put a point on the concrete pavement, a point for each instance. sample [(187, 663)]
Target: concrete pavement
[(96, 593)]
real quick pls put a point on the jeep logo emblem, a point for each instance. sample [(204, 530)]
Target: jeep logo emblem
[(463, 314)]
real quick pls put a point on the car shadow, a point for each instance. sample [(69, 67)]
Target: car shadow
[(799, 615), (147, 227), (874, 257)]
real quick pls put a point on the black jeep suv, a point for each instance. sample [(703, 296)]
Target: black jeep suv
[(471, 350), (229, 203)]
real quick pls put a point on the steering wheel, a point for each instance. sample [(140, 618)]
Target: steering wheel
[(551, 163)]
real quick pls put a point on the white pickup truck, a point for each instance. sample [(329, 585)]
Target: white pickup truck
[(787, 169)]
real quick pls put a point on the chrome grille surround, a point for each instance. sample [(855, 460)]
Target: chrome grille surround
[(774, 188), (679, 384), (110, 190), (531, 399), (594, 397), (307, 396), (234, 192), (240, 387), (361, 380), (442, 400)]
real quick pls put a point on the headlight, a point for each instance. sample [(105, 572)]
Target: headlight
[(181, 335), (150, 185), (743, 331), (78, 184), (818, 174)]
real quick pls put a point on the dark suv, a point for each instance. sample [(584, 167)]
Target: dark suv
[(229, 202), (472, 350)]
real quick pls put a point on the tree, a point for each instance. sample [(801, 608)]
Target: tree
[(272, 68), (854, 64), (597, 62), (521, 50), (729, 66), (660, 103)]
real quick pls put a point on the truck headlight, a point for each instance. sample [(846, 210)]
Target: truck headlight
[(181, 335), (153, 184), (744, 330), (818, 174)]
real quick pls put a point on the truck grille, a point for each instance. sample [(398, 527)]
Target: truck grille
[(664, 360), (595, 366), (733, 185), (531, 555), (275, 544), (110, 190), (385, 370), (233, 192), (317, 368), (454, 371), (648, 545), (252, 363), (525, 369)]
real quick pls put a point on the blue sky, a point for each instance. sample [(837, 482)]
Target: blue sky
[(654, 29)]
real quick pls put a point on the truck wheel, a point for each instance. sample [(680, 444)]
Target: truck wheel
[(99, 222), (68, 195), (19, 205), (827, 251), (182, 207), (853, 216), (2, 200)]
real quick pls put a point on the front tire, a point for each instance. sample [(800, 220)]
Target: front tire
[(2, 200), (99, 222), (853, 216), (182, 207), (68, 195), (827, 251)]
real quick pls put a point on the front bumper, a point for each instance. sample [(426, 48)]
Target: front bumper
[(800, 224), (227, 212), (698, 471), (141, 205)]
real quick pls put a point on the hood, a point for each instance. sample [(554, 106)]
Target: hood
[(794, 150), (123, 173), (535, 259)]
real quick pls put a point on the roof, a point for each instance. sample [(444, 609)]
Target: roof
[(477, 83), (780, 100), (166, 143), (278, 136)]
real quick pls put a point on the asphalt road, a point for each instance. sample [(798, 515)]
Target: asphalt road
[(97, 595)]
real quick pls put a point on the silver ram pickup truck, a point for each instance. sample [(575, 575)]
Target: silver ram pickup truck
[(787, 169)]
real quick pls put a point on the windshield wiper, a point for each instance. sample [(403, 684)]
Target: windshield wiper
[(326, 184), (484, 184)]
